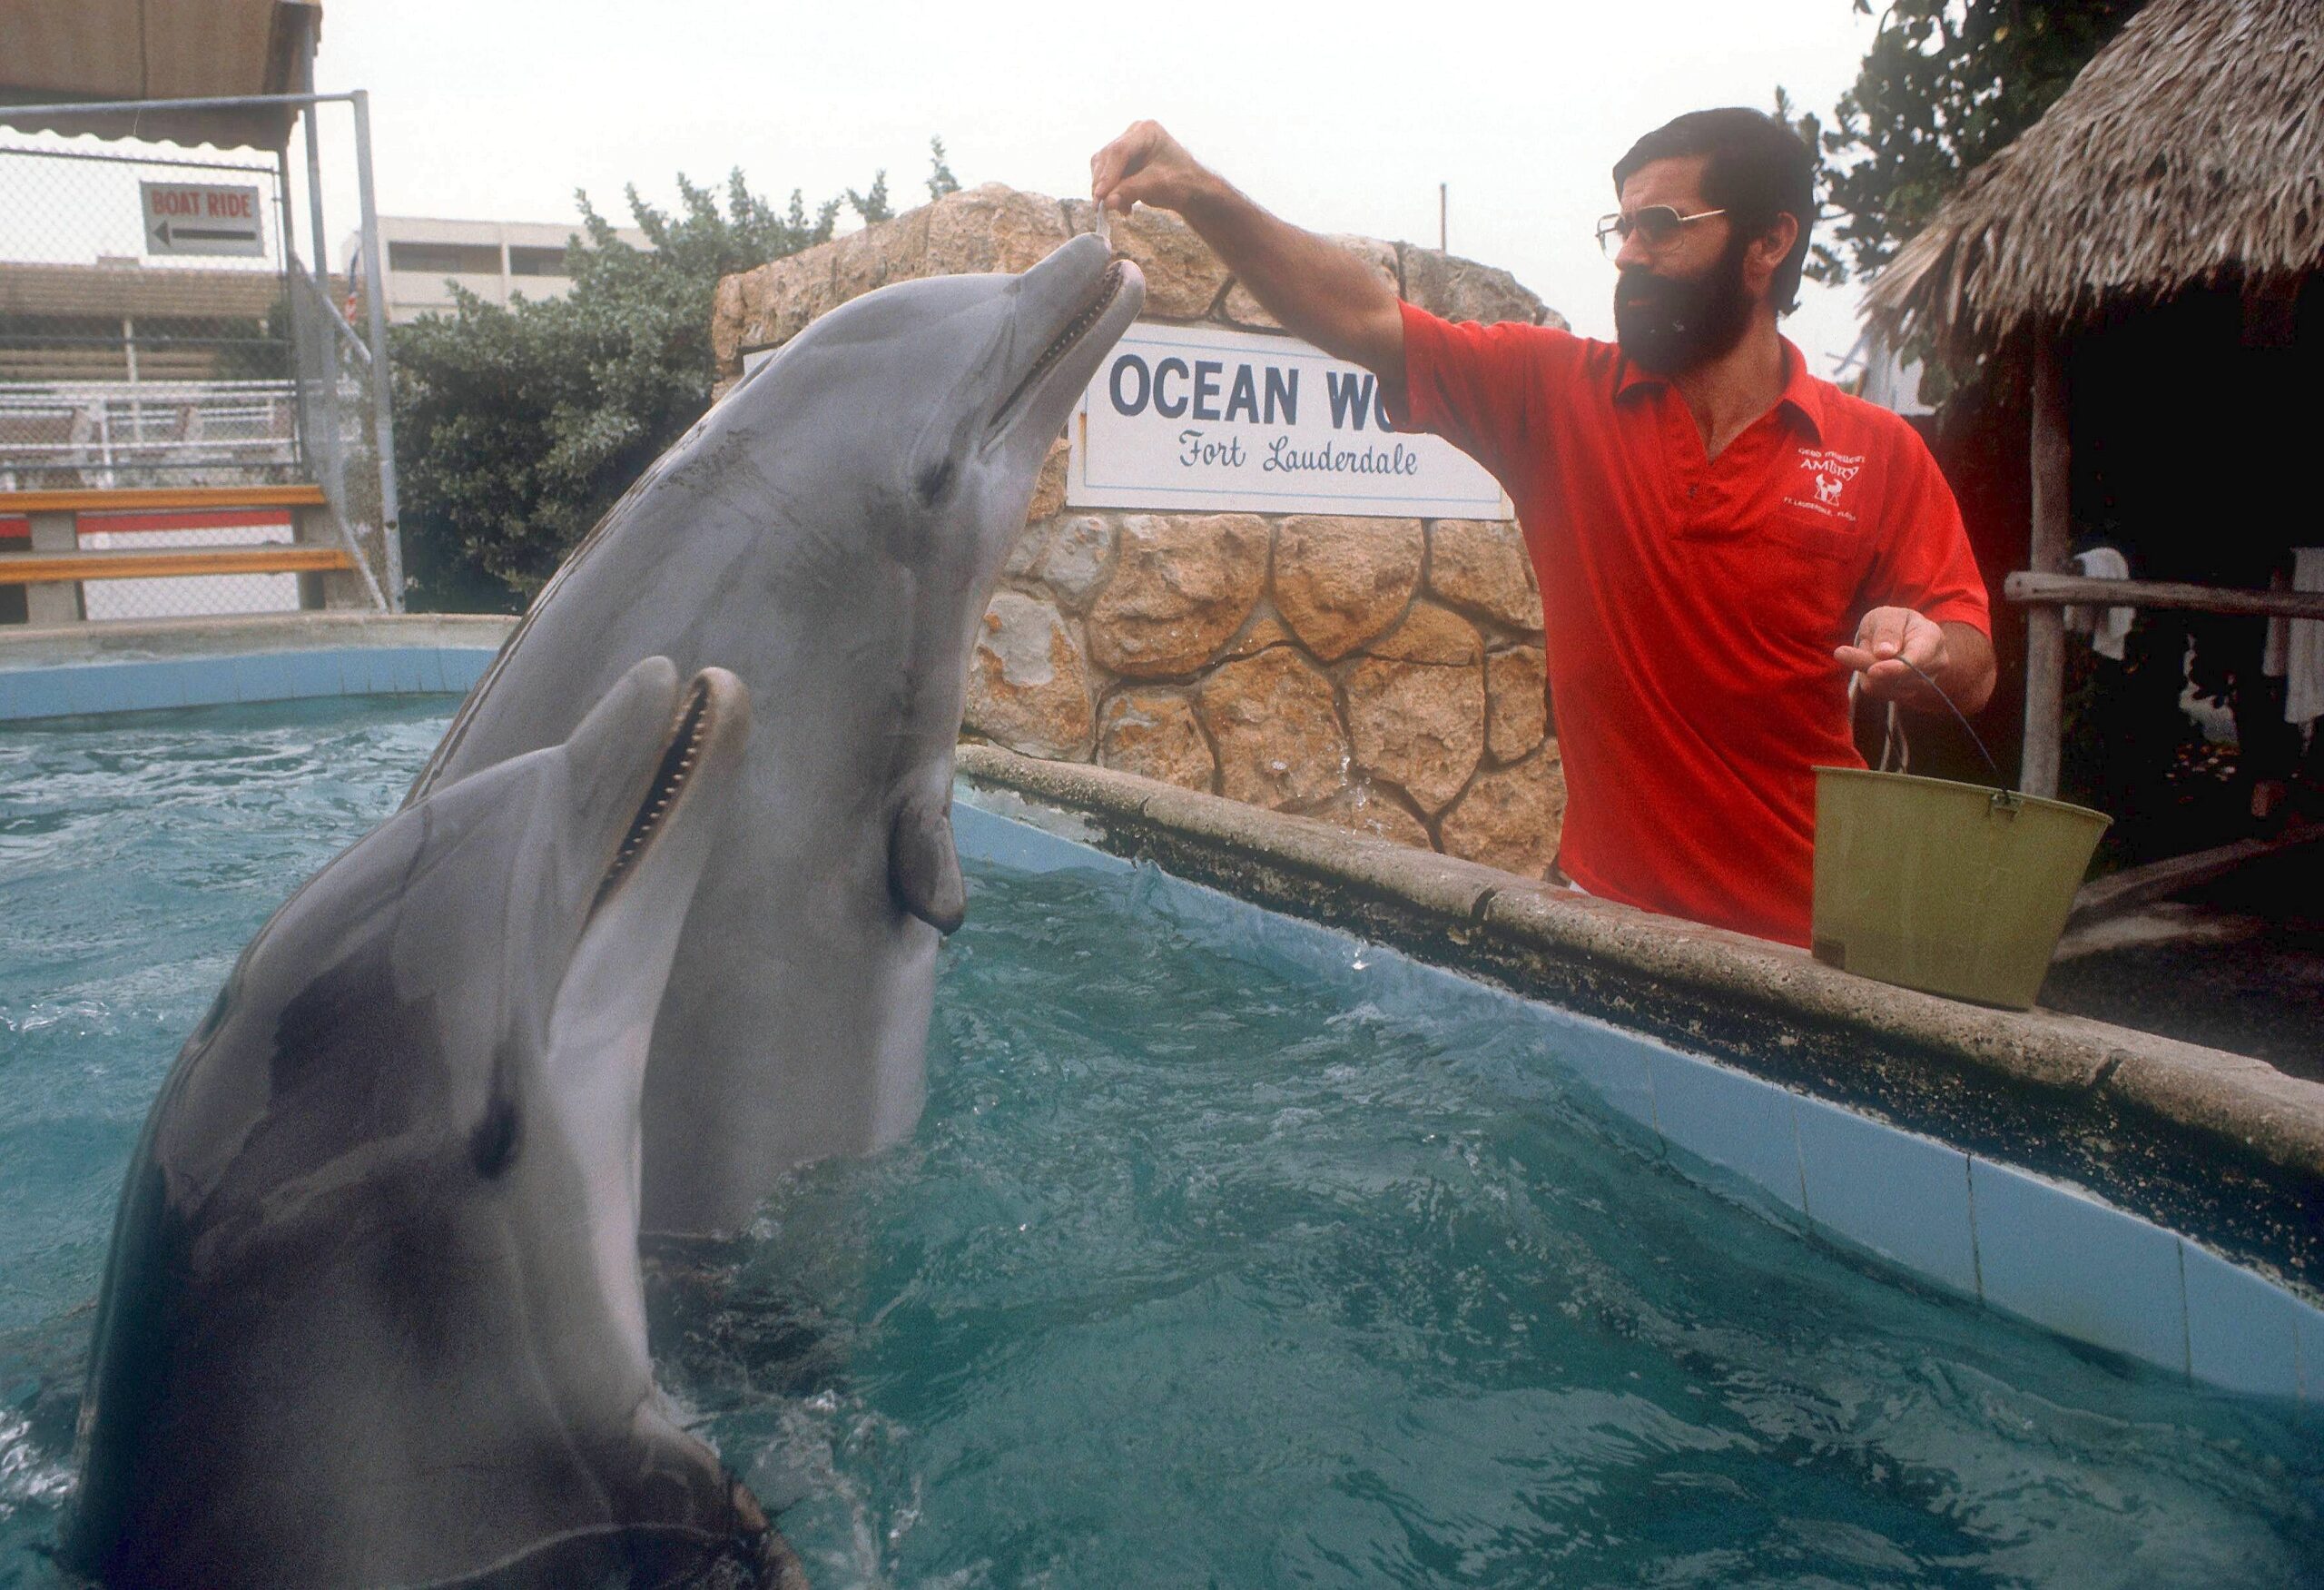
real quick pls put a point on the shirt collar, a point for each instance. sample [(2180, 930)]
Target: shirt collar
[(1802, 392)]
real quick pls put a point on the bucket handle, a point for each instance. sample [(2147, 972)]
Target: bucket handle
[(2003, 794)]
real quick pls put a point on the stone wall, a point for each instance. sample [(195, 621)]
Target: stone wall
[(1383, 673)]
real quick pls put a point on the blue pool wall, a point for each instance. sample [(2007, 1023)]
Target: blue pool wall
[(143, 684), (1955, 1223)]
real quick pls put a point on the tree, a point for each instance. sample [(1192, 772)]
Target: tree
[(1945, 86), (941, 179), (873, 206), (516, 429)]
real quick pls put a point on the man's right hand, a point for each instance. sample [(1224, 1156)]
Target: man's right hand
[(1145, 165), (1317, 289)]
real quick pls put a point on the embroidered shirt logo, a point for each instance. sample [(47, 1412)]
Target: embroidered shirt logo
[(1828, 476)]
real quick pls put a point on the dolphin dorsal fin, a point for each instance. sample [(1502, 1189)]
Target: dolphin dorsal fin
[(923, 870)]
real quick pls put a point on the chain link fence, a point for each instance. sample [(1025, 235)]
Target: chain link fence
[(159, 330), (123, 361), (188, 596), (332, 372)]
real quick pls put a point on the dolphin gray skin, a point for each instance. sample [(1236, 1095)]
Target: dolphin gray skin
[(832, 532), (373, 1314)]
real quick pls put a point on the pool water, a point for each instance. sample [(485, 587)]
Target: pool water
[(1203, 1269)]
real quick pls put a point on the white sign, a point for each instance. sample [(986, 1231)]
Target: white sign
[(1193, 417), (201, 218)]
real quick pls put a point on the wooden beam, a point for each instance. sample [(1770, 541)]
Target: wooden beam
[(41, 568), (159, 498), (2057, 591), (2051, 534), (2132, 887)]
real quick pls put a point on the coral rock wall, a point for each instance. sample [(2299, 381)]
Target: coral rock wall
[(1382, 674)]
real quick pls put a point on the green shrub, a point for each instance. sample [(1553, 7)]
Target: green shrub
[(517, 428)]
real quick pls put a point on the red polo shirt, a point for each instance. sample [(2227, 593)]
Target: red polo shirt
[(1692, 603)]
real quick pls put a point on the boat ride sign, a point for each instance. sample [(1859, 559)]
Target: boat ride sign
[(1211, 420), (201, 218)]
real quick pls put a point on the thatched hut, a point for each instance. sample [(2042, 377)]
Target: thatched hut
[(2142, 265)]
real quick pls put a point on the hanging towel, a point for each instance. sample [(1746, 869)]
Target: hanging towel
[(2295, 650), (2107, 629)]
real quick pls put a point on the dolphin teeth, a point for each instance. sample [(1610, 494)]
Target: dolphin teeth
[(681, 751)]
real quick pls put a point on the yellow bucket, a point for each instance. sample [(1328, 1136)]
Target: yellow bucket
[(1951, 888)]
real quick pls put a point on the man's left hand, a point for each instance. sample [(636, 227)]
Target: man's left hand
[(1886, 641)]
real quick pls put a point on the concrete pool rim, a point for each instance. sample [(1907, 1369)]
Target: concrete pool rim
[(118, 666)]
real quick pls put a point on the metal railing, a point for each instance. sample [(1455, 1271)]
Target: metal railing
[(114, 434), (134, 356)]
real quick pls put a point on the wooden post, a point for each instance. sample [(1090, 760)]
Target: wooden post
[(54, 603), (313, 590), (2053, 533)]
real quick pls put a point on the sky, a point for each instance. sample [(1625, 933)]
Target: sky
[(1341, 118)]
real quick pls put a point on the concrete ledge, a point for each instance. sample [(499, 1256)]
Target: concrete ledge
[(92, 670), (2222, 1147), (116, 642)]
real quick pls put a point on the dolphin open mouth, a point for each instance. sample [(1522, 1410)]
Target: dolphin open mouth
[(1109, 289), (680, 754)]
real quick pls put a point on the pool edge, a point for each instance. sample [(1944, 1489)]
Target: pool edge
[(89, 669)]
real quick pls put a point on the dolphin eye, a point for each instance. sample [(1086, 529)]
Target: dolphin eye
[(493, 1140), (492, 1143), (934, 480)]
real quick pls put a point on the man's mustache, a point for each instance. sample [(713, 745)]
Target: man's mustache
[(1637, 284)]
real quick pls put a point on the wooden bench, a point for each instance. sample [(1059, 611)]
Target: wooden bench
[(51, 568), (156, 499), (42, 567)]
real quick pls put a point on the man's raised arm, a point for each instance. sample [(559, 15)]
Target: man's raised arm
[(1319, 292)]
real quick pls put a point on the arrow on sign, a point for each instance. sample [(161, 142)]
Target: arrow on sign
[(202, 218), (164, 234)]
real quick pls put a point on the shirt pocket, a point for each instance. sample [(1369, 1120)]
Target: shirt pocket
[(1789, 579), (1827, 564), (1799, 535)]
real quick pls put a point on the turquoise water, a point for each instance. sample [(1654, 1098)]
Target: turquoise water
[(1203, 1269)]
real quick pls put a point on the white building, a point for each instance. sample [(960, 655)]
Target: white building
[(495, 260), (1879, 374)]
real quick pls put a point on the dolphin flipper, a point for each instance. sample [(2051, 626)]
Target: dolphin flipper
[(923, 869)]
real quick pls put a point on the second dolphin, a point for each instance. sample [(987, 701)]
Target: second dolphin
[(373, 1313)]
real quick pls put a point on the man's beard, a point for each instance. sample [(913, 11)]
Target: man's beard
[(1681, 323)]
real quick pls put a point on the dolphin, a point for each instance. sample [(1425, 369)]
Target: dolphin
[(830, 531), (373, 1314)]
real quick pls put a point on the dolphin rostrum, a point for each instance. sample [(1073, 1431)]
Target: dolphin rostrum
[(373, 1314), (830, 531)]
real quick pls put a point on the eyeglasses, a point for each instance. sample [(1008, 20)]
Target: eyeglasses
[(1656, 226)]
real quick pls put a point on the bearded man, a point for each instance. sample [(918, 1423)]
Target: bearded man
[(1721, 539)]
